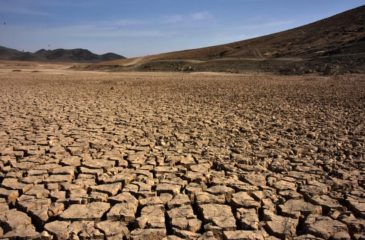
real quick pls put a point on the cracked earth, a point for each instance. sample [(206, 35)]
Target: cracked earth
[(181, 156)]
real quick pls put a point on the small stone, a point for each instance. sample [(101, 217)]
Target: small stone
[(219, 215), (58, 195), (306, 237), (210, 235), (13, 218), (22, 232), (78, 195), (204, 197), (56, 209), (248, 219), (326, 202), (242, 235), (36, 207), (98, 197), (186, 234), (296, 207), (172, 237), (91, 211), (14, 184), (183, 223), (195, 177), (156, 200), (354, 224), (67, 170), (284, 185), (124, 211), (193, 188), (3, 207), (106, 178), (290, 194), (255, 179), (258, 195), (166, 197), (33, 179), (316, 189), (178, 200), (148, 234), (168, 188), (60, 229), (10, 195), (200, 168), (132, 188), (98, 164), (53, 186), (90, 171), (186, 160), (164, 169), (39, 191), (357, 205), (34, 172), (78, 227), (243, 200), (113, 228), (110, 189), (194, 225), (58, 179), (86, 230), (185, 211), (152, 216), (216, 230), (281, 227), (46, 236), (221, 189), (74, 161), (124, 197), (325, 227)]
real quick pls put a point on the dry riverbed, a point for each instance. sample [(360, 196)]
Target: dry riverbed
[(181, 156)]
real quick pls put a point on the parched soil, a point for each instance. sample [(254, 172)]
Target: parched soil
[(181, 156)]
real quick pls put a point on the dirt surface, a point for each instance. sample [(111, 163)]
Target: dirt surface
[(181, 156)]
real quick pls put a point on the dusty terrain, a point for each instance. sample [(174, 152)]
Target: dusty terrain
[(192, 156)]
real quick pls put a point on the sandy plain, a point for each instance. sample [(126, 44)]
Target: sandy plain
[(95, 155)]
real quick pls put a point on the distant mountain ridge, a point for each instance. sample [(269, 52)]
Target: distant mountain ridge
[(57, 55)]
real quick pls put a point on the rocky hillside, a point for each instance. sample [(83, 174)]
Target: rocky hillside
[(332, 45)]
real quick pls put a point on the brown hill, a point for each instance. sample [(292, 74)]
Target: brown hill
[(333, 44), (57, 55)]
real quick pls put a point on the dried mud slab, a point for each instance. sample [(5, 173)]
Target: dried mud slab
[(181, 156)]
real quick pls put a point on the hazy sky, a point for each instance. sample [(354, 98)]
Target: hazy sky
[(140, 27)]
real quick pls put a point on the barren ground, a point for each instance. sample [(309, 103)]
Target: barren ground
[(199, 156)]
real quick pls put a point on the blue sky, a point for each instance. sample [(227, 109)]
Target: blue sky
[(141, 27)]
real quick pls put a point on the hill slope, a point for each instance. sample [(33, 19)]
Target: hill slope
[(13, 54), (57, 55), (337, 42)]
